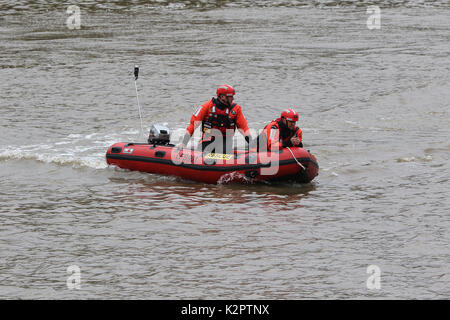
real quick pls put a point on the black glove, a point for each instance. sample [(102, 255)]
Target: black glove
[(286, 143)]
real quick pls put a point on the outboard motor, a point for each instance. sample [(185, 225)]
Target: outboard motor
[(159, 135)]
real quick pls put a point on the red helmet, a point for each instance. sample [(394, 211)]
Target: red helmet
[(226, 90), (290, 115)]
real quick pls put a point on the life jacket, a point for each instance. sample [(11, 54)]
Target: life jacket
[(285, 134), (219, 117)]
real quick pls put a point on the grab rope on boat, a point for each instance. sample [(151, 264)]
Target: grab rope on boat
[(302, 166)]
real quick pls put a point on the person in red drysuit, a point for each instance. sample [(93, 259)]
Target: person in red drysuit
[(219, 118)]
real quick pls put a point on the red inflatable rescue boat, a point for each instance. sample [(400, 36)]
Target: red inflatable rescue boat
[(291, 164)]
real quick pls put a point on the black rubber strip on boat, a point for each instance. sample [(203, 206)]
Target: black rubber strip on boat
[(208, 168)]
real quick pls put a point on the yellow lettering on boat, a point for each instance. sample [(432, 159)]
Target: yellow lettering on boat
[(219, 156)]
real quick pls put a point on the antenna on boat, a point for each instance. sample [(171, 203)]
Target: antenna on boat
[(136, 75)]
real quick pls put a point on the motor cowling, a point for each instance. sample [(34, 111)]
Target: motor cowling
[(159, 134)]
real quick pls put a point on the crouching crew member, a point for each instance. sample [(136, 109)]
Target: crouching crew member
[(282, 132)]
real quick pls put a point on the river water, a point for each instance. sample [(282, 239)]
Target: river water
[(374, 108)]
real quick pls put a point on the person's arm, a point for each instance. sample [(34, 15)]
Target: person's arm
[(196, 120), (300, 137), (273, 137), (241, 124)]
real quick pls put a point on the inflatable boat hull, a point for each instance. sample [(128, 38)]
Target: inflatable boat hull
[(242, 166)]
